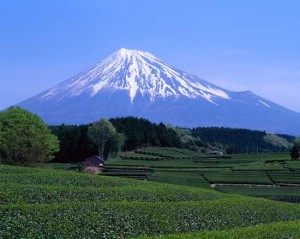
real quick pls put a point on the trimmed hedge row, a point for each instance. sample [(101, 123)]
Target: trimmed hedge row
[(255, 177), (280, 230), (11, 193), (134, 219), (58, 178)]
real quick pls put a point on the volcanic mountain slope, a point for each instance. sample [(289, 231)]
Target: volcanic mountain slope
[(136, 83)]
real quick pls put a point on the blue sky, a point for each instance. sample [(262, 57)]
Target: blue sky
[(239, 45)]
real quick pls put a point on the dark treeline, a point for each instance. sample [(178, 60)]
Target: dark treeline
[(238, 140), (75, 145), (142, 133)]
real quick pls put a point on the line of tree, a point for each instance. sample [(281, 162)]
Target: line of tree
[(78, 142), (243, 140), (26, 140), (131, 133), (141, 133)]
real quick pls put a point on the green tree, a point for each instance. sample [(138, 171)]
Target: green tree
[(25, 139), (297, 143), (294, 153), (75, 146), (114, 145), (100, 132), (277, 141)]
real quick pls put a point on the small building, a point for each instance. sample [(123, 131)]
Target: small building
[(96, 161), (215, 152), (93, 164)]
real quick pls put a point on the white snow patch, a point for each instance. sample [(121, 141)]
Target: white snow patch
[(136, 71), (264, 103)]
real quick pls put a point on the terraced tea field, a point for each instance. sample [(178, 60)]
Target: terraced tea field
[(272, 230), (41, 203), (252, 174)]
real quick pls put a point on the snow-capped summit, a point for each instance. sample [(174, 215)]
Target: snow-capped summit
[(133, 82), (136, 72)]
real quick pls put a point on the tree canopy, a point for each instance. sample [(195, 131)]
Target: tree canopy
[(24, 138), (75, 145), (297, 142), (277, 141), (294, 153), (100, 132)]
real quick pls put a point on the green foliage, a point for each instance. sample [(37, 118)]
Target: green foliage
[(272, 192), (24, 138), (75, 146), (100, 132), (193, 179), (132, 133), (183, 131), (238, 177), (114, 145), (287, 177), (279, 230), (297, 143), (187, 140), (277, 141), (140, 133), (294, 153), (39, 186), (75, 205), (293, 165), (258, 172), (242, 140)]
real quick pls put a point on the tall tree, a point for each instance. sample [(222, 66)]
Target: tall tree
[(75, 146), (297, 143), (24, 138), (277, 141), (294, 153), (100, 132), (114, 145)]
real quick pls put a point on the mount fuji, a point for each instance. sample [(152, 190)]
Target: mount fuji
[(136, 83)]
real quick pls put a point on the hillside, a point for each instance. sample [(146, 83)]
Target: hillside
[(36, 203), (136, 83), (271, 175)]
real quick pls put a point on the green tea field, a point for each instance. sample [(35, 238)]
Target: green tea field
[(181, 195), (272, 175)]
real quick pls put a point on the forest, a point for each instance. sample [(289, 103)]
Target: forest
[(75, 144)]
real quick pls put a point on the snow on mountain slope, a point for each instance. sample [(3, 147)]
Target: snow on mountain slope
[(136, 83), (136, 72)]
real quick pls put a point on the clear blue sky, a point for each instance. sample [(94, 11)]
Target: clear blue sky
[(239, 45)]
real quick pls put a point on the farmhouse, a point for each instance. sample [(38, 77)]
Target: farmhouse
[(93, 164)]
